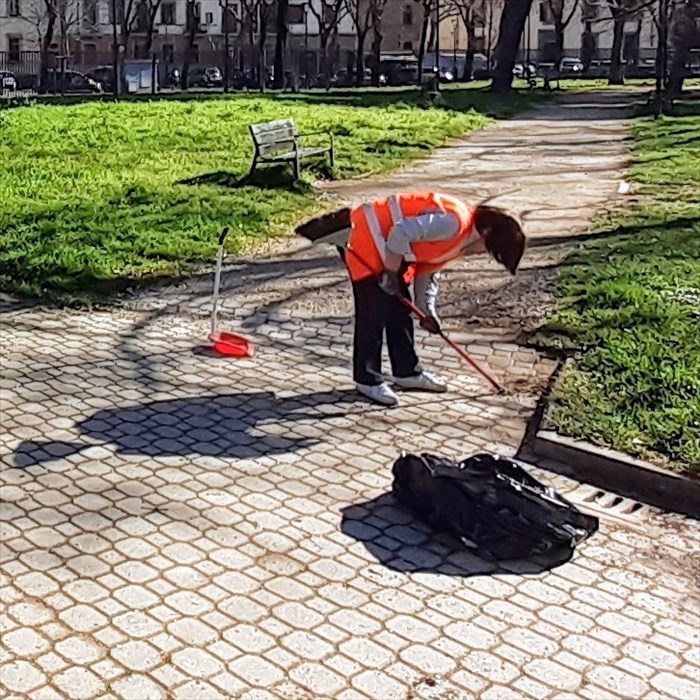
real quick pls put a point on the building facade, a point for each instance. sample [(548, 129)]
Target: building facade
[(182, 30)]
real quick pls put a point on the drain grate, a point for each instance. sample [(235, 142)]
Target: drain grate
[(609, 505)]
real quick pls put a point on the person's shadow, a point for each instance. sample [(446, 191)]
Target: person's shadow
[(401, 542), (241, 425)]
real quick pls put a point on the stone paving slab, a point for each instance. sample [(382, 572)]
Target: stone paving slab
[(178, 525)]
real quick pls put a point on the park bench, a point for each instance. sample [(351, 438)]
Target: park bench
[(279, 142)]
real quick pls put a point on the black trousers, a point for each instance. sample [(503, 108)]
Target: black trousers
[(377, 312)]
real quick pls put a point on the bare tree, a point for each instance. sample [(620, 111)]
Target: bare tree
[(376, 10), (42, 15), (513, 18), (150, 9), (258, 18), (490, 11), (230, 19), (52, 20), (471, 13), (280, 42), (428, 10), (362, 19), (683, 34), (68, 16), (328, 14), (561, 13), (619, 11)]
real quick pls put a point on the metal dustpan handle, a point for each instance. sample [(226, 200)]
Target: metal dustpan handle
[(217, 278)]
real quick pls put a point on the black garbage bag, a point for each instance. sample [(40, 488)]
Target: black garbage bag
[(490, 503)]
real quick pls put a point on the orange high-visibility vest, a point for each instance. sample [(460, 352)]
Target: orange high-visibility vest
[(372, 223)]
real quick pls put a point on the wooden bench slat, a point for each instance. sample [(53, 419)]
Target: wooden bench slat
[(272, 126), (265, 149), (281, 134), (278, 141)]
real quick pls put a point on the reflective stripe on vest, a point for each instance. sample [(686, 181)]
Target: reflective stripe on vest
[(375, 229), (395, 209), (397, 216)]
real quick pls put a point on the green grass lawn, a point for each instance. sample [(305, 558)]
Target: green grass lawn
[(631, 302), (97, 196)]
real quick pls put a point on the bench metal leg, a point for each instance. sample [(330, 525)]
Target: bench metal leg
[(297, 168), (253, 166), (331, 155)]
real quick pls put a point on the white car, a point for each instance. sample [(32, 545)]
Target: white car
[(571, 66), (7, 80)]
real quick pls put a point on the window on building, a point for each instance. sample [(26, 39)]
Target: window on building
[(14, 45), (295, 14), (168, 53), (630, 48), (408, 16), (230, 20), (90, 54), (167, 13), (120, 12), (408, 46), (193, 54), (329, 14), (89, 12), (589, 9), (13, 7), (209, 18), (546, 14)]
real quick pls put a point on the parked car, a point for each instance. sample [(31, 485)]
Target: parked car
[(7, 80), (446, 75), (400, 72), (571, 66), (104, 75), (480, 67), (209, 77), (345, 78), (522, 70), (71, 82)]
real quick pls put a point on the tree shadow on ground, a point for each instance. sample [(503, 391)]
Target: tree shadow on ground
[(241, 425), (401, 542)]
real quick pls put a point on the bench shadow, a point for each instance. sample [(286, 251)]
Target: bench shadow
[(264, 178), (240, 425), (401, 542)]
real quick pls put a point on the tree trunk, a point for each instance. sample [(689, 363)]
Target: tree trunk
[(489, 45), (683, 36), (587, 45), (377, 39), (325, 59), (515, 13), (421, 46), (360, 58), (280, 42), (616, 76), (262, 67), (468, 22), (45, 46), (558, 40)]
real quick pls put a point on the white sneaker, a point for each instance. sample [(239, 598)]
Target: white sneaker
[(379, 393), (422, 382)]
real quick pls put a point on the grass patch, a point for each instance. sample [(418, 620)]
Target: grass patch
[(631, 303), (97, 196)]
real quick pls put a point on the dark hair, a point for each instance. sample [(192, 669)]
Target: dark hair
[(503, 235)]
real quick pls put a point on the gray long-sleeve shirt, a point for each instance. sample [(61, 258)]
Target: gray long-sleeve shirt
[(431, 227)]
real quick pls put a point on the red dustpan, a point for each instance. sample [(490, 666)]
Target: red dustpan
[(224, 342)]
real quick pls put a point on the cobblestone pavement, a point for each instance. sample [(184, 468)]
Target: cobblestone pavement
[(181, 525)]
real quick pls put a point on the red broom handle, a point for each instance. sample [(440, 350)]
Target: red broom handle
[(421, 316)]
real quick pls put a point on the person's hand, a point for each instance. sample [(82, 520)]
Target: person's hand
[(431, 324), (390, 283)]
